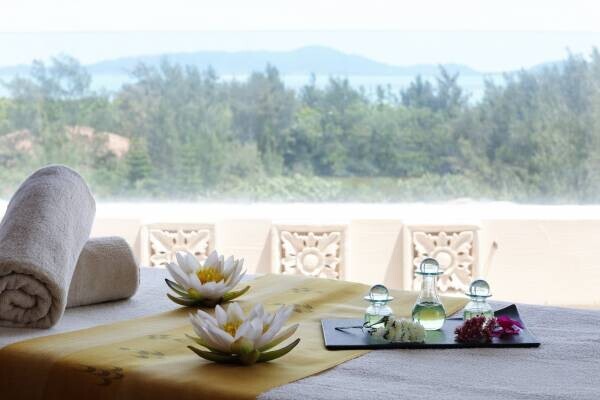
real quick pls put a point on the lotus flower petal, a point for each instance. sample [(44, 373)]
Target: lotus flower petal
[(237, 277), (176, 288), (222, 339), (234, 312), (234, 272), (243, 330), (192, 262), (280, 317), (216, 357), (211, 339), (178, 275), (199, 330), (235, 294), (187, 302), (283, 335), (270, 333), (202, 315), (221, 315), (212, 258), (214, 290), (255, 332), (195, 283), (230, 265), (182, 262), (272, 355)]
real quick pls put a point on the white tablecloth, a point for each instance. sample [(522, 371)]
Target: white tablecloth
[(566, 366)]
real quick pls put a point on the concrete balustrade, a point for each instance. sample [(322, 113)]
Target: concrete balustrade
[(545, 254)]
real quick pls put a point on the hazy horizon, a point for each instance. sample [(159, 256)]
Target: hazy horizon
[(487, 52)]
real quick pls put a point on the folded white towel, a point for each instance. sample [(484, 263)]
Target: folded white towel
[(106, 270), (45, 227)]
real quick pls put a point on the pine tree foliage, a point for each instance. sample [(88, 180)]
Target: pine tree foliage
[(533, 137)]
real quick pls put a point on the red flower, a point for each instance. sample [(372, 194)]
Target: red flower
[(507, 326), (476, 330), (481, 329)]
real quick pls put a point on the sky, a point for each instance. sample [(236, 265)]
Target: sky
[(486, 35)]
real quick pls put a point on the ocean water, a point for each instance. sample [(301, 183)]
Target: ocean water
[(474, 85)]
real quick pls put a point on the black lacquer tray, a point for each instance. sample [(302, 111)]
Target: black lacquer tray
[(442, 339)]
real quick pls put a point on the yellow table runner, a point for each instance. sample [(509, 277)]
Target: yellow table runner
[(148, 358)]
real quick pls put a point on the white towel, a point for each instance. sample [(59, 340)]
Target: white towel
[(106, 270), (45, 227)]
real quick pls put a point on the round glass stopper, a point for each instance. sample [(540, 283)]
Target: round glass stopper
[(429, 266), (379, 293), (479, 288)]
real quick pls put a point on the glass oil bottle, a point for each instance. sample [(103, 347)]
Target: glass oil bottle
[(378, 299), (428, 310), (479, 291)]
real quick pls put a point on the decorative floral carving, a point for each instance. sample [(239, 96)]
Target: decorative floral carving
[(454, 253), (310, 253), (165, 243)]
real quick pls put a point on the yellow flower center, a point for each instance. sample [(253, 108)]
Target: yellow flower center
[(266, 328), (231, 327), (210, 274)]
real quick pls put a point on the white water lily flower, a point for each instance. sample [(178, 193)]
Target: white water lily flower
[(205, 284), (231, 336)]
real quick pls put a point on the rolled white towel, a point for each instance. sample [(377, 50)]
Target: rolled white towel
[(47, 223), (106, 270)]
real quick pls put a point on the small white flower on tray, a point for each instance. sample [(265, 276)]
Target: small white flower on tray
[(400, 330)]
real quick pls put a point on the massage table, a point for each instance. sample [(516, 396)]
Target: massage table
[(565, 366)]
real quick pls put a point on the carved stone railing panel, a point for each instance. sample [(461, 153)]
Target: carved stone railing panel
[(317, 251), (454, 247), (160, 242)]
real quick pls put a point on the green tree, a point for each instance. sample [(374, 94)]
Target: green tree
[(139, 164), (263, 111)]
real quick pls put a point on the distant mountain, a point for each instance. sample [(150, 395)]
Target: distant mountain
[(303, 61), (306, 60)]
